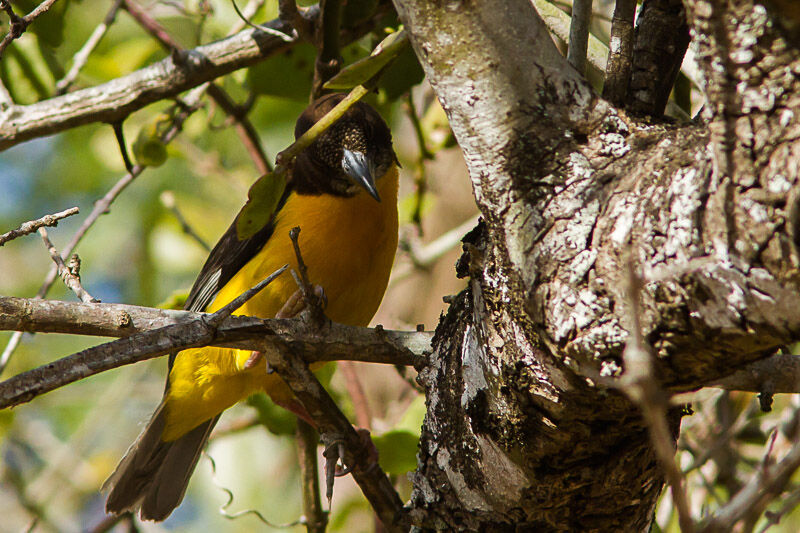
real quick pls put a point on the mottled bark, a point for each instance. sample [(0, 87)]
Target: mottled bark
[(518, 430)]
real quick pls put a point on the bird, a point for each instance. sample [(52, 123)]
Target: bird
[(342, 193)]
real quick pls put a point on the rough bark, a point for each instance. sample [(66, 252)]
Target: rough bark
[(572, 190)]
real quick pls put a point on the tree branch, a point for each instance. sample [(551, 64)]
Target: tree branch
[(618, 71), (150, 333), (661, 40), (119, 98), (32, 225), (332, 423), (579, 34)]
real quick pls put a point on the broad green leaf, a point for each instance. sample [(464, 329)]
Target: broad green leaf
[(401, 74), (364, 70), (288, 74), (397, 451), (262, 199)]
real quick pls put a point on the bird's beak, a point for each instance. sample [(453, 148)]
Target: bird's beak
[(362, 170)]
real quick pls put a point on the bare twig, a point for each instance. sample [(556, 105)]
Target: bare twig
[(168, 200), (316, 519), (71, 279), (229, 308), (101, 206), (579, 34), (332, 423), (640, 384), (558, 23), (291, 14), (248, 11), (117, 99), (17, 24), (82, 56), (29, 227), (329, 58), (427, 255), (151, 333), (618, 70), (766, 483)]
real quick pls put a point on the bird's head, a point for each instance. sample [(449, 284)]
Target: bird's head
[(351, 156)]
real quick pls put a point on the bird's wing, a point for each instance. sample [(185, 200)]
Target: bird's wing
[(226, 259)]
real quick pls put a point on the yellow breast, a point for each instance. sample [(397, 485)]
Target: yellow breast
[(348, 245)]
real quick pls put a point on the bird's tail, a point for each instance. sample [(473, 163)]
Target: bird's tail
[(154, 474)]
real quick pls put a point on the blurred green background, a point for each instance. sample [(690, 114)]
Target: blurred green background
[(58, 449)]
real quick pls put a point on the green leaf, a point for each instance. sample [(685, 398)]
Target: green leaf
[(262, 200), (397, 451), (288, 75), (364, 70), (413, 417), (276, 419), (148, 149), (402, 74)]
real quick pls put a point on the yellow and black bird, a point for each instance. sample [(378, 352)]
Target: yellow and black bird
[(343, 196)]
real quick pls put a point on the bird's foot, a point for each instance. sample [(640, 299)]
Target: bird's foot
[(297, 303), (335, 450)]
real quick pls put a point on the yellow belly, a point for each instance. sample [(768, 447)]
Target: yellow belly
[(348, 245)]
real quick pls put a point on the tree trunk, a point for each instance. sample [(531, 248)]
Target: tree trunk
[(524, 424)]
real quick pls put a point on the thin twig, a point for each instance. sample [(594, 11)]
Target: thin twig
[(223, 509), (756, 493), (640, 384), (236, 303), (18, 25), (420, 179), (329, 57), (168, 200), (579, 34), (316, 519), (29, 227), (101, 206), (335, 427), (82, 56), (244, 128), (71, 279), (248, 12)]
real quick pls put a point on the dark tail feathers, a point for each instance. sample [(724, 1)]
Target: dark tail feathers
[(154, 474)]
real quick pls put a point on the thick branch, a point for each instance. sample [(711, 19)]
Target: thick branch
[(151, 333), (661, 40)]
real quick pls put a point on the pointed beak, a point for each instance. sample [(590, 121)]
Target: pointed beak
[(361, 170)]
